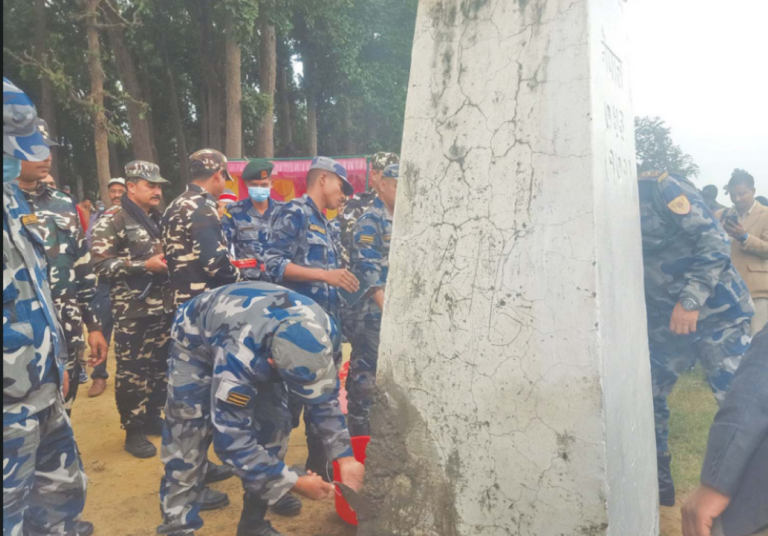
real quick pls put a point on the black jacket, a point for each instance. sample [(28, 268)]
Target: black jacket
[(736, 464)]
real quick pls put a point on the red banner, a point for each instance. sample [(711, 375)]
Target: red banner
[(290, 176)]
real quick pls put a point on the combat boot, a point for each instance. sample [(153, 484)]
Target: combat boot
[(317, 461), (218, 473), (154, 425), (666, 484), (84, 528), (213, 500), (137, 444), (288, 506), (252, 522)]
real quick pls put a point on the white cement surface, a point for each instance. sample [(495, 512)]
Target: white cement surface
[(515, 316)]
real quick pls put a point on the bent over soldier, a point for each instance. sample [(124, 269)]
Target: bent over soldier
[(698, 305), (127, 252), (237, 353)]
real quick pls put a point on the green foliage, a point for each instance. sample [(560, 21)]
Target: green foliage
[(360, 52), (656, 151)]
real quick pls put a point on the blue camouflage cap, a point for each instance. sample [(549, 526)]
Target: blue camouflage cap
[(392, 172), (329, 164), (303, 353), (21, 137)]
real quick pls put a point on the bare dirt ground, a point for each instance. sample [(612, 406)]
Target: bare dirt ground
[(123, 491)]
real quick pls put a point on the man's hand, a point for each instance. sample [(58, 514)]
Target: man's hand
[(65, 385), (157, 265), (352, 473), (684, 322), (734, 229), (315, 488), (701, 510), (378, 298), (99, 348), (342, 279)]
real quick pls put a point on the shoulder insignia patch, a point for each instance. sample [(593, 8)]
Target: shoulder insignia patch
[(681, 205), (227, 214), (317, 229), (29, 219), (663, 176), (238, 399), (367, 239)]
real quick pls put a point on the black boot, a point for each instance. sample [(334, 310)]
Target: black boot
[(252, 522), (218, 473), (154, 425), (666, 484), (288, 506), (317, 461), (213, 500), (137, 444), (84, 528)]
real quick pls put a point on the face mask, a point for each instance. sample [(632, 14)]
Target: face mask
[(259, 194), (11, 168)]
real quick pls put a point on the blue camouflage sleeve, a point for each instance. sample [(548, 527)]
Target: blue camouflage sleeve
[(228, 227), (236, 436), (712, 251), (366, 256), (285, 237)]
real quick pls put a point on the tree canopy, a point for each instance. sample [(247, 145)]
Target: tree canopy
[(326, 76), (656, 151)]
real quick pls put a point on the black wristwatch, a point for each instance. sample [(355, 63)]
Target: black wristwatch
[(690, 305)]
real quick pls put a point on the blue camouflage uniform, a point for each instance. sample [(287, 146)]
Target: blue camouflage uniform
[(687, 256), (247, 233), (43, 480), (222, 386), (369, 258), (302, 235)]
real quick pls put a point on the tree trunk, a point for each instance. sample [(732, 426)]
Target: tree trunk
[(265, 139), (114, 164), (141, 140), (209, 61), (283, 106), (348, 145), (309, 88), (178, 124), (101, 132), (233, 77), (146, 90), (47, 99)]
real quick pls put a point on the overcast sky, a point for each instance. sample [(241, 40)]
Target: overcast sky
[(701, 66)]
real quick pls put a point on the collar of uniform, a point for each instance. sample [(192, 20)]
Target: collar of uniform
[(379, 204), (200, 190), (256, 214), (312, 204)]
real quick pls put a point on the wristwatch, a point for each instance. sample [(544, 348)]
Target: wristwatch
[(690, 305)]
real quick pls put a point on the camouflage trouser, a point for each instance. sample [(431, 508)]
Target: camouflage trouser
[(44, 485), (74, 377), (361, 382), (720, 353), (141, 351)]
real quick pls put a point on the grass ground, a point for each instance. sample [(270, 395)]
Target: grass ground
[(123, 492), (693, 410)]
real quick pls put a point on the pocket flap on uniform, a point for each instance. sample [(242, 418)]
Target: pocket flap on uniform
[(236, 394), (182, 410), (757, 265)]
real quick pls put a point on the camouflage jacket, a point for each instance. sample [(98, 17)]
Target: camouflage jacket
[(247, 232), (221, 346), (687, 254), (352, 212), (33, 353), (121, 247), (73, 282), (195, 248), (371, 240), (302, 235)]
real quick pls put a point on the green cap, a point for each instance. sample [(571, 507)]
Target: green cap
[(148, 171), (258, 169)]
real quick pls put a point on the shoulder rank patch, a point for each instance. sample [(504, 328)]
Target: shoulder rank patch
[(367, 239), (226, 213), (663, 176), (317, 229), (681, 205), (238, 399), (30, 219)]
